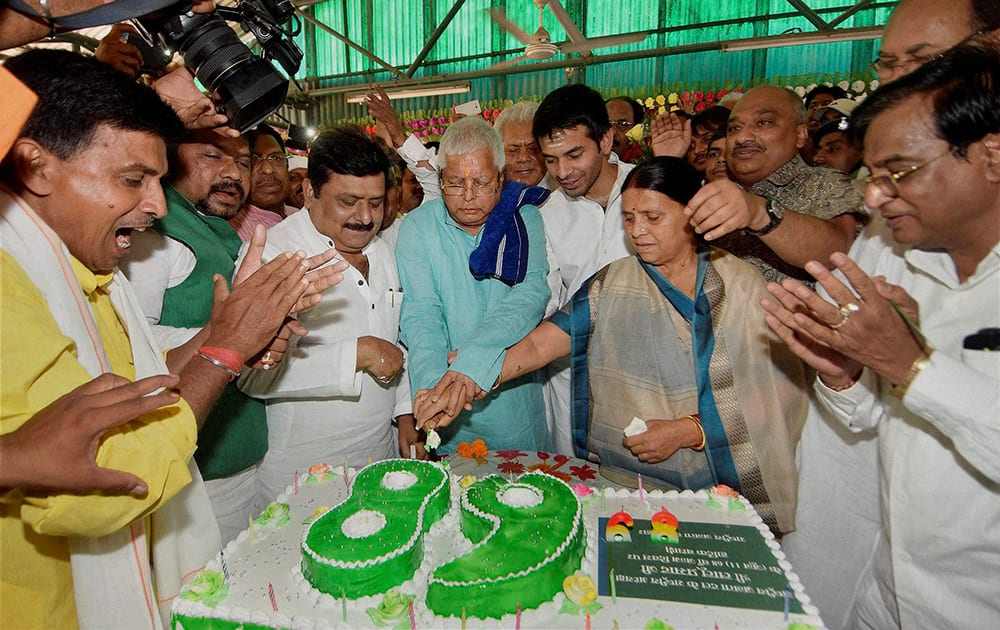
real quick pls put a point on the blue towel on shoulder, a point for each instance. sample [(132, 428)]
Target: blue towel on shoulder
[(503, 250)]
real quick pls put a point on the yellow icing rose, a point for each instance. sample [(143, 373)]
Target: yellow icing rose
[(660, 100), (467, 481), (649, 101), (580, 589)]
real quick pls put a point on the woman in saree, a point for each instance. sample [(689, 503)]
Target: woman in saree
[(671, 336)]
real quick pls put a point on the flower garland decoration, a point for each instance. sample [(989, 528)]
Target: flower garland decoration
[(430, 124)]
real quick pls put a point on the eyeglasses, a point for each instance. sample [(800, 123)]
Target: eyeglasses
[(887, 184), (274, 159), (624, 125), (478, 190), (891, 64)]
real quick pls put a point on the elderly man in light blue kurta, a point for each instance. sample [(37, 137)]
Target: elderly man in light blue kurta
[(473, 270)]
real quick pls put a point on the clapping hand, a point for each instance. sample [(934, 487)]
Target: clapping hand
[(861, 327)]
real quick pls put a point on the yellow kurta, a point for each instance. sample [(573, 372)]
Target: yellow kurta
[(37, 365)]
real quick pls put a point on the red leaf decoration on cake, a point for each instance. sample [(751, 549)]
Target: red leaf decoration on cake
[(511, 454), (583, 473), (511, 467), (542, 455), (549, 470), (561, 459)]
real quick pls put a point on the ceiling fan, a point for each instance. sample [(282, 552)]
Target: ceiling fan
[(539, 46)]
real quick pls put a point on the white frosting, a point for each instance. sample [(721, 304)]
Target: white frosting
[(520, 496), (398, 480), (363, 523), (273, 556)]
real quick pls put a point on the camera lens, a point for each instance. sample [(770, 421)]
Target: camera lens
[(249, 87)]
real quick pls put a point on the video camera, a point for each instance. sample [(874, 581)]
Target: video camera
[(248, 88)]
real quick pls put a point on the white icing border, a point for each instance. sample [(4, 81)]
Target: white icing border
[(577, 521), (405, 548), (541, 616)]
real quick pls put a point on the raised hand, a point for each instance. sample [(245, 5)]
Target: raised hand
[(319, 277), (669, 135), (722, 206), (195, 109), (116, 51), (248, 318), (386, 119), (860, 323)]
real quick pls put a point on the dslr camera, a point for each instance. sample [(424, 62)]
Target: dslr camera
[(246, 87)]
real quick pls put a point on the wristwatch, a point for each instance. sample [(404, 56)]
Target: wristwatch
[(775, 212)]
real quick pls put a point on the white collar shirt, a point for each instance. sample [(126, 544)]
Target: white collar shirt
[(320, 408), (939, 448), (582, 237)]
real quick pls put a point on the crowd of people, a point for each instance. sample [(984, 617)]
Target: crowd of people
[(798, 298)]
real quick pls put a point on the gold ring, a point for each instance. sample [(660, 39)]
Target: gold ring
[(267, 361), (848, 309)]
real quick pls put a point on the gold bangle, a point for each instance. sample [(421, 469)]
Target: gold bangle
[(496, 383), (899, 389), (701, 430)]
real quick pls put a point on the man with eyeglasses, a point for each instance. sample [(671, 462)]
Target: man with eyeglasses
[(269, 183), (624, 113), (921, 30), (473, 269), (826, 557), (905, 343)]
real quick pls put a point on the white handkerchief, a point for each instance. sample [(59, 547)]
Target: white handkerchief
[(637, 426)]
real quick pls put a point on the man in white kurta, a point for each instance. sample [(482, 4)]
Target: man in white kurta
[(929, 381), (339, 390), (582, 217)]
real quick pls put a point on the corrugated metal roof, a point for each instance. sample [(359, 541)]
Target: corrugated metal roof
[(473, 42)]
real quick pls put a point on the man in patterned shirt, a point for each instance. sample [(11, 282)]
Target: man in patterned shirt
[(778, 212)]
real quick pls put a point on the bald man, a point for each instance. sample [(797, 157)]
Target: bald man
[(778, 212), (920, 30)]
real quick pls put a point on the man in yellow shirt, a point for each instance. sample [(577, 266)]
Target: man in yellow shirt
[(83, 175)]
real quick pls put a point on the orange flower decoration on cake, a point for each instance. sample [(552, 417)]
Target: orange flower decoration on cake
[(475, 450)]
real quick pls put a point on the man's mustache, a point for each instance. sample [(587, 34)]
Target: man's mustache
[(229, 187), (748, 145), (360, 227)]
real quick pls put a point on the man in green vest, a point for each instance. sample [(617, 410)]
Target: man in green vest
[(173, 269)]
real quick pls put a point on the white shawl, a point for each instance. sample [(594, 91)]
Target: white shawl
[(112, 578)]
